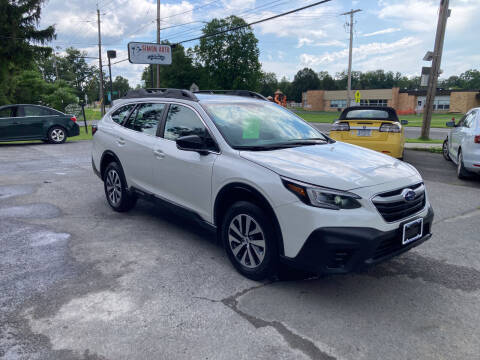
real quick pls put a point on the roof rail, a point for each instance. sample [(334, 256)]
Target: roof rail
[(246, 93), (162, 92)]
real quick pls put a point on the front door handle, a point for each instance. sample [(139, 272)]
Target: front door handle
[(120, 141), (159, 154)]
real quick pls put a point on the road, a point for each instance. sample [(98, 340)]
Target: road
[(79, 281), (410, 132)]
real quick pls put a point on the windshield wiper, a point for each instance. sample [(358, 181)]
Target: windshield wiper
[(260, 147), (284, 145)]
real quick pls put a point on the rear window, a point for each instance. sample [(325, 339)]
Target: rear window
[(367, 114)]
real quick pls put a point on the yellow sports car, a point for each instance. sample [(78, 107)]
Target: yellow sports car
[(376, 128)]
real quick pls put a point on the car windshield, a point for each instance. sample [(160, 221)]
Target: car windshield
[(261, 125), (367, 114)]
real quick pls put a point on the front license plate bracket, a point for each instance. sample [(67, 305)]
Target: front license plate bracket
[(412, 231)]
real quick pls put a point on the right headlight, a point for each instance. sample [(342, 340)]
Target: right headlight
[(323, 197)]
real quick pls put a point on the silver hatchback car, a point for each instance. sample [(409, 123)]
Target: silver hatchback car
[(462, 145)]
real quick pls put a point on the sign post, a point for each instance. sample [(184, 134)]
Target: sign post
[(149, 53)]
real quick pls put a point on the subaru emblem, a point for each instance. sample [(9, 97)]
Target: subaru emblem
[(408, 194)]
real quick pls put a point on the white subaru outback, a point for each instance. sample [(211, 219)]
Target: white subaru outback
[(273, 187)]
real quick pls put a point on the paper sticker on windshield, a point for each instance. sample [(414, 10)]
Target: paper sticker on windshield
[(251, 128)]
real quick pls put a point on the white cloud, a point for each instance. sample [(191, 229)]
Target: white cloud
[(361, 52), (381, 32), (422, 15)]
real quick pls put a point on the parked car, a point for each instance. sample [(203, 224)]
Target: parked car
[(273, 187), (462, 145), (376, 128), (36, 122)]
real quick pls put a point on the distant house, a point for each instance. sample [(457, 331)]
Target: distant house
[(404, 101)]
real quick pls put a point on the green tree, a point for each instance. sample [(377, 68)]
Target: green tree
[(121, 85), (180, 74), (21, 41), (305, 79), (59, 95), (230, 59), (268, 84), (470, 79), (31, 88), (327, 82)]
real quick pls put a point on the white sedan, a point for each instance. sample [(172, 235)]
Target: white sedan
[(462, 145)]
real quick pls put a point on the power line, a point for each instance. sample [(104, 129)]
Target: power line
[(191, 31), (170, 16), (246, 25), (256, 22)]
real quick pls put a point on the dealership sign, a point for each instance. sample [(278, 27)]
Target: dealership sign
[(148, 53)]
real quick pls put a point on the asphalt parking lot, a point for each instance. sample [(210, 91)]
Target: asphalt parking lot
[(78, 281)]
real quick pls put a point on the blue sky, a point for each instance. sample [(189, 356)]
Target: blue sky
[(389, 34)]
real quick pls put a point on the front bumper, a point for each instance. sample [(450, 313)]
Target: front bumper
[(337, 250)]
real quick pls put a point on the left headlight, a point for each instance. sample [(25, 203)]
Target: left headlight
[(323, 197)]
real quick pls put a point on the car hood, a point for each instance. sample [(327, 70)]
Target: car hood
[(339, 165)]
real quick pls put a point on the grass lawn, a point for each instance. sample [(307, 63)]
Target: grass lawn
[(438, 120), (430, 141), (91, 114)]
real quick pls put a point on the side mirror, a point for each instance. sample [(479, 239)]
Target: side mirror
[(192, 143), (404, 122), (450, 123)]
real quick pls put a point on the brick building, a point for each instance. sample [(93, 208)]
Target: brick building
[(404, 101)]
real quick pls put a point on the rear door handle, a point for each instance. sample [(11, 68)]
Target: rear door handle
[(120, 141), (159, 154)]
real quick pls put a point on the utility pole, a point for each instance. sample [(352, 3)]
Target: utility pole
[(443, 14), (102, 103), (158, 40), (349, 81)]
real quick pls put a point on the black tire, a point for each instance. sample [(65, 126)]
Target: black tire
[(462, 173), (250, 260), (57, 135), (115, 186), (445, 153)]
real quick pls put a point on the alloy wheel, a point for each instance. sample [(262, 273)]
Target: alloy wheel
[(247, 241), (57, 135), (445, 150), (114, 187)]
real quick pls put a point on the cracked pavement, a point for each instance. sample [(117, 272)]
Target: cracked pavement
[(78, 281)]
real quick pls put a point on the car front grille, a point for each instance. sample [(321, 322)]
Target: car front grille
[(393, 206)]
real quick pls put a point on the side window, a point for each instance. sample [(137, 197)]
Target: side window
[(6, 112), (469, 120), (461, 122), (119, 115), (146, 118), (182, 121), (35, 111)]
